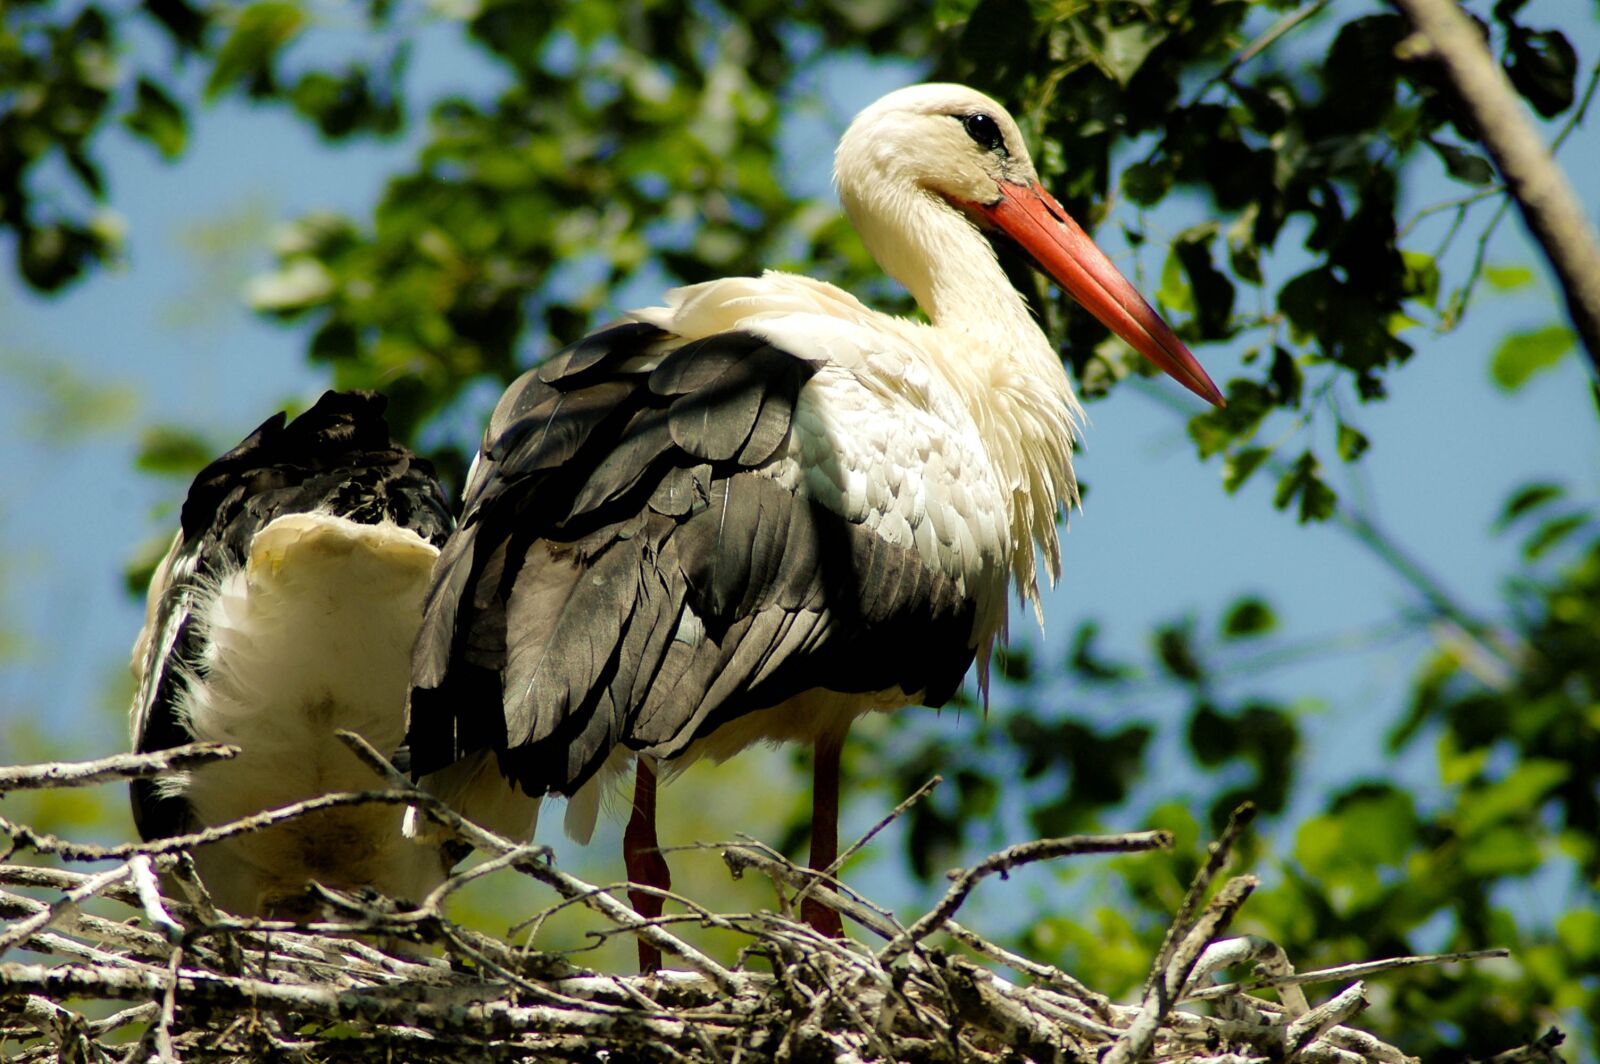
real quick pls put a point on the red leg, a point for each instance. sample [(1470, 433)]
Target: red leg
[(642, 856), (824, 829)]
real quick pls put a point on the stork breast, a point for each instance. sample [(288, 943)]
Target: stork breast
[(916, 479)]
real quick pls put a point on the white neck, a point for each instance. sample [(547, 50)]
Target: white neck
[(991, 350)]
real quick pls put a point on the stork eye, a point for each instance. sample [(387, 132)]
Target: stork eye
[(985, 131)]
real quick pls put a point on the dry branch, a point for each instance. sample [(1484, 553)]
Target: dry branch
[(194, 983), (115, 767)]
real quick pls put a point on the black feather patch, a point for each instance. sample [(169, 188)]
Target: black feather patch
[(624, 574)]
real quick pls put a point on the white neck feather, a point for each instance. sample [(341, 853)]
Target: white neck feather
[(991, 349)]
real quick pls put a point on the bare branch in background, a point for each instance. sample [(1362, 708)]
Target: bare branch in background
[(1538, 185)]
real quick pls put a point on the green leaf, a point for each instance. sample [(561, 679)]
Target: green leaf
[(157, 119), (260, 32), (1014, 663), (1216, 430), (1146, 183), (949, 13), (1249, 617), (1238, 466), (1373, 825), (1244, 253), (1579, 932), (1550, 535), (1543, 66), (1515, 799), (1352, 443), (1422, 277), (1285, 377), (1507, 278), (1088, 664), (1175, 648), (1527, 498), (1174, 292), (1500, 851), (1462, 164), (1523, 354), (1304, 482), (167, 450), (1125, 48), (1212, 292)]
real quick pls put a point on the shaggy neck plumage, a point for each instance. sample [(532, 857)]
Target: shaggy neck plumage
[(992, 350)]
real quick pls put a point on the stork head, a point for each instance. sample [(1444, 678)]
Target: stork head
[(958, 149)]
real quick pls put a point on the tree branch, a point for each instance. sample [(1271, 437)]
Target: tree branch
[(1541, 190), (115, 767)]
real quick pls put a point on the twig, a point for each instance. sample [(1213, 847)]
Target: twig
[(1544, 1049), (1344, 971), (1269, 957), (855, 847), (1217, 855), (144, 883), (1308, 1028), (531, 861), (1171, 978), (187, 877), (20, 931), (1013, 857), (43, 842), (169, 1009), (115, 767), (1043, 973), (739, 858)]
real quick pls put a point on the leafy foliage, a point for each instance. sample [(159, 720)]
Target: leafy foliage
[(633, 144)]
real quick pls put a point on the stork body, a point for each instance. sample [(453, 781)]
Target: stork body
[(763, 509), (286, 609)]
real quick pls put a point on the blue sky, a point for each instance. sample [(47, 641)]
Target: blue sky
[(167, 331)]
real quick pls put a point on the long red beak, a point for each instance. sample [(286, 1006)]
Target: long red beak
[(1033, 218)]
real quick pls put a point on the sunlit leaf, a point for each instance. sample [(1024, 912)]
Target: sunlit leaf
[(1351, 443), (1521, 355), (1174, 292), (1422, 277), (259, 33), (1507, 278), (1516, 797)]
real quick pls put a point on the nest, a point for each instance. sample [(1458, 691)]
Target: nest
[(176, 979)]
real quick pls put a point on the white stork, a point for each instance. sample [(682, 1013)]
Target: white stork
[(286, 609), (762, 510)]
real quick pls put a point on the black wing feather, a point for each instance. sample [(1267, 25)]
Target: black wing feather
[(624, 575)]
